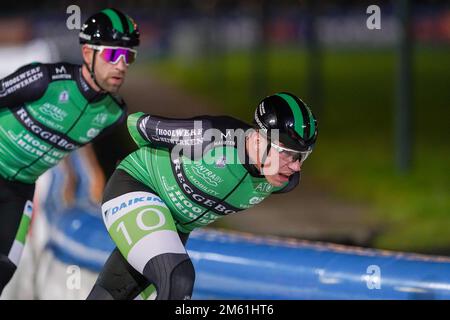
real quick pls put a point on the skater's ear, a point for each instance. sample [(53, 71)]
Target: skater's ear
[(87, 54)]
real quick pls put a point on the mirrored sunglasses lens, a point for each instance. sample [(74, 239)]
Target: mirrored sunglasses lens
[(117, 54), (113, 55), (126, 53), (107, 54)]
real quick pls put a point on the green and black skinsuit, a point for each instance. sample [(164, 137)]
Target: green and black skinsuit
[(46, 111), (164, 190)]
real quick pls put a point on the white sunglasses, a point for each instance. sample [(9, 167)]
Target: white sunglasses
[(113, 54), (291, 154)]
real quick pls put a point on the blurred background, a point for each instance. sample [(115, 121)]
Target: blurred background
[(379, 175)]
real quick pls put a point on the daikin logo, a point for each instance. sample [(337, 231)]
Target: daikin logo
[(131, 202)]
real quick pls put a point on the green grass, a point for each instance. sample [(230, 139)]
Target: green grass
[(355, 150)]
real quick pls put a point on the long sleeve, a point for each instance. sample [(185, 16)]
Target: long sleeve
[(164, 132), (189, 137), (28, 83)]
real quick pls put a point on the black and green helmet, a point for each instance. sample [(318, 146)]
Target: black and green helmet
[(110, 27), (291, 116)]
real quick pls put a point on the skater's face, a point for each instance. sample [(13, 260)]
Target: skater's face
[(279, 164), (110, 70)]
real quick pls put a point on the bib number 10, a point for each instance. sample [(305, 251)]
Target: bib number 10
[(160, 221)]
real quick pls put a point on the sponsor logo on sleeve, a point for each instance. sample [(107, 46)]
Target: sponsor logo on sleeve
[(21, 81), (61, 73)]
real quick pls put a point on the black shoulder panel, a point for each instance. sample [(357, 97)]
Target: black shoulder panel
[(26, 84)]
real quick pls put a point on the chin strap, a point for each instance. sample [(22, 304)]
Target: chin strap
[(266, 154), (91, 71)]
